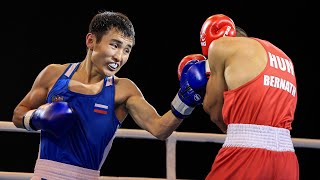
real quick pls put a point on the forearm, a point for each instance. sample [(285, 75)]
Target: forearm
[(159, 126), (212, 110), (167, 124), (216, 117), (221, 125), (18, 114)]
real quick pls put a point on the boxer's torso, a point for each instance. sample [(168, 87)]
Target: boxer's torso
[(89, 141)]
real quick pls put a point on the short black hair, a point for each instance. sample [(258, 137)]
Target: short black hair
[(104, 21), (240, 32)]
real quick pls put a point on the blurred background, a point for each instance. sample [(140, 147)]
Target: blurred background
[(34, 35)]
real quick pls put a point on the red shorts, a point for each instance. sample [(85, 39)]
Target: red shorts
[(236, 163), (255, 152)]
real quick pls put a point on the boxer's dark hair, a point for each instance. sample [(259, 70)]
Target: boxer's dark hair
[(240, 32)]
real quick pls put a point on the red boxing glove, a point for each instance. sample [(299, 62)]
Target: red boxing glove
[(188, 61), (213, 28)]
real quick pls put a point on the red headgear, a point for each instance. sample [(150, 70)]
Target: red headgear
[(214, 27)]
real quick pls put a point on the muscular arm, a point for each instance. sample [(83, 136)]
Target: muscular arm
[(213, 101), (146, 116), (233, 62), (36, 96)]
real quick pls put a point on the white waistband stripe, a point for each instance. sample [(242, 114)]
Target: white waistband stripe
[(55, 170), (258, 136)]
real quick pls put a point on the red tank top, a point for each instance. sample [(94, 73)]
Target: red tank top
[(270, 98)]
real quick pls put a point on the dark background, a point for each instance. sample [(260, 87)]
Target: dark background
[(34, 35)]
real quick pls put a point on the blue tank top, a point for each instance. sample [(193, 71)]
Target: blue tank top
[(89, 141)]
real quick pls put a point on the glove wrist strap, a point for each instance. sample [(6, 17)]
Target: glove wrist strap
[(180, 109), (26, 121)]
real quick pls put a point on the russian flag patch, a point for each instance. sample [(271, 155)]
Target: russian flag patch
[(100, 108)]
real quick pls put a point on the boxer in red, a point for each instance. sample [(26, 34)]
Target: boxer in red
[(251, 95)]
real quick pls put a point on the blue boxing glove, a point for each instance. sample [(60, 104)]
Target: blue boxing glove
[(192, 90), (187, 61), (56, 118)]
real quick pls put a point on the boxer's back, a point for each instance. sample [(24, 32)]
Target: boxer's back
[(268, 94)]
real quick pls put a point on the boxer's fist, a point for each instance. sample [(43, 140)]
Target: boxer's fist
[(192, 90), (56, 118), (187, 62), (214, 27), (196, 78)]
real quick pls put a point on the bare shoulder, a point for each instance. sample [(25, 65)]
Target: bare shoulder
[(50, 73), (54, 68), (227, 43), (126, 89), (125, 84), (246, 47), (225, 47)]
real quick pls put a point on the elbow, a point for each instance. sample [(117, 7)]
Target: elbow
[(162, 137), (206, 107), (216, 120), (221, 124), (16, 120)]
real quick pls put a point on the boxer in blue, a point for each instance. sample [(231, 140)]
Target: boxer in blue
[(79, 106)]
